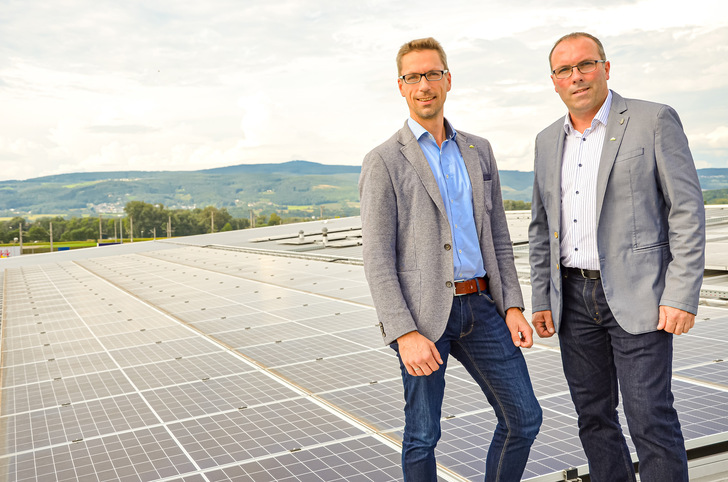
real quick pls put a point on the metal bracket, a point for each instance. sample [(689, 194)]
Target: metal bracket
[(571, 475)]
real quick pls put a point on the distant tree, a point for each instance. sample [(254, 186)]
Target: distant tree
[(240, 223), (185, 223), (80, 234), (147, 217), (59, 226), (108, 227), (510, 205), (716, 196), (11, 228), (227, 227), (38, 233), (274, 219), (219, 217)]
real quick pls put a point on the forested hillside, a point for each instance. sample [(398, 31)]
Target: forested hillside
[(291, 189)]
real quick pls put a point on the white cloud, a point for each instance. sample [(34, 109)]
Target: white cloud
[(718, 137), (173, 85)]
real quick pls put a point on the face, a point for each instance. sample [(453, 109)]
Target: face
[(583, 94), (425, 99)]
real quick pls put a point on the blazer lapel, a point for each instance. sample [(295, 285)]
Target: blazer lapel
[(616, 125), (552, 175), (476, 175), (412, 152)]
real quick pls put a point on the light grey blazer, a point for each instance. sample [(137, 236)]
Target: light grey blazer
[(650, 216), (407, 242)]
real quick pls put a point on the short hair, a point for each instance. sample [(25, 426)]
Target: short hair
[(416, 45), (574, 35)]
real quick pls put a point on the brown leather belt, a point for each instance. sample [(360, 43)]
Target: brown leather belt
[(470, 286)]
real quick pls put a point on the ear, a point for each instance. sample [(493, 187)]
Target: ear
[(400, 84), (449, 81), (553, 79), (607, 66)]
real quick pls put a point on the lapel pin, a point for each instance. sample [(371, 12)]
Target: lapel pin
[(472, 146), (613, 139), (621, 121)]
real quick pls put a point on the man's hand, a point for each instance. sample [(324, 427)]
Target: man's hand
[(419, 355), (543, 323), (521, 333), (674, 320)]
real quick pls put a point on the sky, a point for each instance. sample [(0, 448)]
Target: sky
[(168, 85)]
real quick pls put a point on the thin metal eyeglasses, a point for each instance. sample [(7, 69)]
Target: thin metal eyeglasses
[(431, 76), (584, 67)]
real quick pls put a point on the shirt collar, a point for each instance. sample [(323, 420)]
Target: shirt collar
[(601, 117), (419, 131)]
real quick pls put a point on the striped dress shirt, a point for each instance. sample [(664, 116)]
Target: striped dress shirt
[(579, 168)]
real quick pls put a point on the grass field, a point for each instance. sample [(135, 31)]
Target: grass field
[(44, 247), (32, 217)]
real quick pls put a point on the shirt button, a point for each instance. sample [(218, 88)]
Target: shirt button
[(460, 250), (576, 249), (574, 220), (577, 192), (579, 165)]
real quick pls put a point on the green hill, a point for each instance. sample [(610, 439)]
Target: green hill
[(716, 196), (237, 188), (296, 186)]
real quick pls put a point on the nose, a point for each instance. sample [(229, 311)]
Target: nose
[(424, 83), (576, 75)]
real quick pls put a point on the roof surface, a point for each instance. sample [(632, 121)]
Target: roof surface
[(255, 355)]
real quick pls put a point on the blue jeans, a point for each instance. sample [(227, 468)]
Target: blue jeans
[(477, 336), (599, 357)]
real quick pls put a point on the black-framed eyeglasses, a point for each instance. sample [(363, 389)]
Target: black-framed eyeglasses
[(431, 76), (584, 67)]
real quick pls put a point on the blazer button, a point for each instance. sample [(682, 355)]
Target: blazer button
[(447, 247), (448, 284)]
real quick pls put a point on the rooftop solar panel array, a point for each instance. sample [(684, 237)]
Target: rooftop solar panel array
[(200, 364)]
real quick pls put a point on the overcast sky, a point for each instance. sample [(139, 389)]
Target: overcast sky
[(169, 85)]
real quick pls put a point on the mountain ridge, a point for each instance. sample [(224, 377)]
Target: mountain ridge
[(238, 188)]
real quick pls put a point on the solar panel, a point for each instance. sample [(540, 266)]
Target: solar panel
[(188, 363)]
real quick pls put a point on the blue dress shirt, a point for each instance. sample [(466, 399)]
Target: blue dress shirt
[(457, 193)]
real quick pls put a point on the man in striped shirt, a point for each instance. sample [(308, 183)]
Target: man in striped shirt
[(617, 242)]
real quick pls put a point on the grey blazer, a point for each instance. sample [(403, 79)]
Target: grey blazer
[(650, 216), (407, 241)]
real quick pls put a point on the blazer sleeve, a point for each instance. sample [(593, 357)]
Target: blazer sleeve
[(512, 296), (379, 235), (683, 196), (538, 247)]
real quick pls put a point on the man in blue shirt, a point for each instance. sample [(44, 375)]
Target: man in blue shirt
[(439, 262)]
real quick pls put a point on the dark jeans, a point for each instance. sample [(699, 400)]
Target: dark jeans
[(598, 357), (477, 336)]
